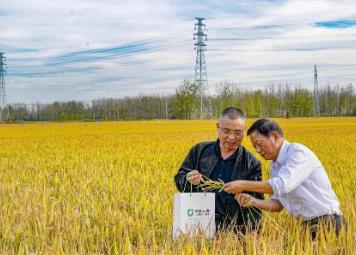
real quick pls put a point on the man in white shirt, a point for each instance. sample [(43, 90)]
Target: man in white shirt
[(298, 180)]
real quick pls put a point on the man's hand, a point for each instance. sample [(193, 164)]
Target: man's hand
[(245, 200), (233, 187), (194, 177), (240, 186)]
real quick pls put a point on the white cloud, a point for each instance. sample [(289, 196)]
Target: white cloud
[(269, 40)]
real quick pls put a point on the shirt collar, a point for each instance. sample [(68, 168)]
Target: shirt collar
[(282, 155)]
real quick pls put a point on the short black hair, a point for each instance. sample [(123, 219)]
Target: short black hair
[(265, 127), (233, 113)]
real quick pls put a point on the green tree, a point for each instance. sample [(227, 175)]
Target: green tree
[(186, 100)]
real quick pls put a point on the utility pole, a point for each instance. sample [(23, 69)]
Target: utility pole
[(316, 93), (2, 84), (201, 77), (166, 106)]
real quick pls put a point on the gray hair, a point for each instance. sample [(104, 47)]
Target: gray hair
[(233, 113)]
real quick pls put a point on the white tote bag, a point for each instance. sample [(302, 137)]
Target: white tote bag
[(194, 212)]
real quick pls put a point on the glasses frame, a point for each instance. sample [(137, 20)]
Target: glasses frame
[(236, 133)]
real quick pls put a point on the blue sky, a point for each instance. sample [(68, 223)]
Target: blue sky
[(82, 50)]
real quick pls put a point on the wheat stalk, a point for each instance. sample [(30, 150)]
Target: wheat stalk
[(210, 185)]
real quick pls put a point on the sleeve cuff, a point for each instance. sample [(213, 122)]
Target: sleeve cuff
[(276, 185)]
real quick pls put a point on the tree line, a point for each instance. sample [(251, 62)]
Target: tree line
[(275, 100)]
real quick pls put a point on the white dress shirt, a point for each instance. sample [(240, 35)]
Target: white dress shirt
[(300, 183)]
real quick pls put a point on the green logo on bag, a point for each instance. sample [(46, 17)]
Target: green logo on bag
[(190, 212)]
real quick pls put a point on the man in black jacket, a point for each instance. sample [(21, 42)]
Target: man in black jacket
[(225, 159)]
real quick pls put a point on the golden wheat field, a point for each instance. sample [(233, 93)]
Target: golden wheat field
[(107, 188)]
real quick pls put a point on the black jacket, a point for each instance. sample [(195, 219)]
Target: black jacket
[(203, 157)]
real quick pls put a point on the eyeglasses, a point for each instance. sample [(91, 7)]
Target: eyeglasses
[(237, 133)]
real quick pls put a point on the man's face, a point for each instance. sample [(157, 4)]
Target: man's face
[(267, 147), (231, 133)]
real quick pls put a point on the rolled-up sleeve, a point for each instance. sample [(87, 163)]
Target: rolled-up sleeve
[(299, 165), (276, 185)]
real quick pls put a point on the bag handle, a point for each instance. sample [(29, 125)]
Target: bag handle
[(191, 186)]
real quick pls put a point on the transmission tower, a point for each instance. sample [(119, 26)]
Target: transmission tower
[(316, 93), (201, 77), (2, 84)]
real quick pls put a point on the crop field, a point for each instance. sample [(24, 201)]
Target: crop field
[(107, 188)]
